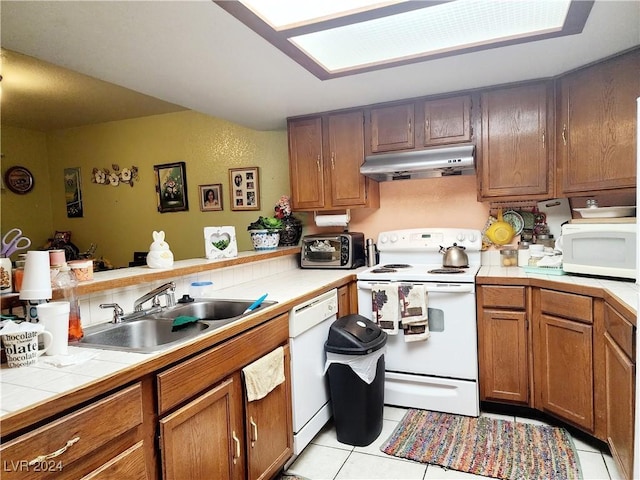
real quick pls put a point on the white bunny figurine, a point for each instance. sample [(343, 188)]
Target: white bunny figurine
[(159, 255)]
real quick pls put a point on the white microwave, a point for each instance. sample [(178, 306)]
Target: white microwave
[(600, 249)]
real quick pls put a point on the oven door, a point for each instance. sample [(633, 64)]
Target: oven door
[(451, 350)]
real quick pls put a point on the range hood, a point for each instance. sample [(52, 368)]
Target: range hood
[(428, 163)]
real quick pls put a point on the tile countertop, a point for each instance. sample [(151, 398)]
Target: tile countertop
[(24, 387), (626, 292)]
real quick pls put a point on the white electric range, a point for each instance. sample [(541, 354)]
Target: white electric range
[(440, 373)]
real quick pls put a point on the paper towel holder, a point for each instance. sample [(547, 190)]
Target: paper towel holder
[(347, 215)]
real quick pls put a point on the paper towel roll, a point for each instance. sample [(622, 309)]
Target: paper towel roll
[(341, 220)]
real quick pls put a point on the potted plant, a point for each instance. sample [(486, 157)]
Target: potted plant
[(291, 227), (265, 232)]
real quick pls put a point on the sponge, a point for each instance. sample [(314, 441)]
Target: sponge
[(182, 321)]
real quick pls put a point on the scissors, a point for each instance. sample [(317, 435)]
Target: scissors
[(14, 241)]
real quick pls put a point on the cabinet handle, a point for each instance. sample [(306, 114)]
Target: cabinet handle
[(543, 140), (409, 125), (254, 431), (57, 453), (333, 160), (237, 442), (564, 133), (318, 162)]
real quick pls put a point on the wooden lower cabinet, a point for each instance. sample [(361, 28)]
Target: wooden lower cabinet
[(269, 428), (207, 427), (101, 440), (563, 350), (565, 369), (204, 439), (619, 362), (503, 344)]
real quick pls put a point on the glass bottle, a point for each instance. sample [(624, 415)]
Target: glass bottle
[(66, 281)]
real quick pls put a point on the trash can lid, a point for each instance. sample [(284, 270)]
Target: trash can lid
[(356, 335)]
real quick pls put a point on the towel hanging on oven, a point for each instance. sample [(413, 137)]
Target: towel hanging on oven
[(385, 306), (414, 312)]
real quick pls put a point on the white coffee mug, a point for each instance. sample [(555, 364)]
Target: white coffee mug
[(55, 318), (21, 347)]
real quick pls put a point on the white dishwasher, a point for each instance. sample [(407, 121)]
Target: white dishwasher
[(309, 325)]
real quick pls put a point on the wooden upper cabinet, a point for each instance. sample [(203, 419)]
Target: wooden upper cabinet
[(346, 145), (447, 120), (392, 128), (515, 160), (596, 129), (306, 163), (325, 155)]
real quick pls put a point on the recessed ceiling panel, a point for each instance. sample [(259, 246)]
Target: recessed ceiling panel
[(333, 38), (450, 26)]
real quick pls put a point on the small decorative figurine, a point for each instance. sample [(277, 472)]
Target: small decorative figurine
[(159, 255)]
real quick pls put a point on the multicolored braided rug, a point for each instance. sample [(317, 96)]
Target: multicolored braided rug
[(485, 446)]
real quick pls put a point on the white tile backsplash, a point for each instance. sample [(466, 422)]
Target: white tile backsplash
[(92, 314)]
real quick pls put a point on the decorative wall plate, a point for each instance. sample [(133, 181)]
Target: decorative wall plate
[(18, 179)]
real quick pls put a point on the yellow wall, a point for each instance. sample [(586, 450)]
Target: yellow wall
[(120, 220), (31, 212)]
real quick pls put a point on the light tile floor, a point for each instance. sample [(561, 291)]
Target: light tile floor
[(327, 459)]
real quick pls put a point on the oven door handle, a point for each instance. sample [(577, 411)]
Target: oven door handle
[(431, 287)]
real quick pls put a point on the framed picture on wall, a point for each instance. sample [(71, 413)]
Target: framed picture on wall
[(210, 197), (171, 187), (244, 187), (73, 192)]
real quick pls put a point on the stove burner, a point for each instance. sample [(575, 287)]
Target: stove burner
[(396, 265), (384, 269), (446, 270)]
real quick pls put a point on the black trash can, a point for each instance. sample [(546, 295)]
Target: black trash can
[(353, 349)]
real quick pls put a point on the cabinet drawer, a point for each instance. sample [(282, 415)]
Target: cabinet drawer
[(504, 296), (567, 305), (193, 376), (620, 330), (82, 433)]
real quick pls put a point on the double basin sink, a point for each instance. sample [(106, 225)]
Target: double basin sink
[(149, 332)]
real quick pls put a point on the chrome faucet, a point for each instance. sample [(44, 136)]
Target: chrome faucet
[(168, 290), (117, 311)]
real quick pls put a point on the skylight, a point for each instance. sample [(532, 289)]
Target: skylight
[(338, 37)]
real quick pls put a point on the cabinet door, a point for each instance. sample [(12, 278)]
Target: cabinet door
[(129, 465), (392, 128), (620, 398), (270, 429), (504, 372), (204, 439), (565, 370), (515, 157), (597, 129), (346, 144), (306, 163), (447, 120)]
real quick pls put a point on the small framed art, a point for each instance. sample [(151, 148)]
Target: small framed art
[(210, 197), (245, 188), (171, 187)]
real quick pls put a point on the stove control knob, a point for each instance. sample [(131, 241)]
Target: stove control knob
[(383, 239), (472, 237), (461, 237), (394, 238)]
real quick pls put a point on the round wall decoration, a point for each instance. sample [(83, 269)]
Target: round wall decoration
[(18, 179)]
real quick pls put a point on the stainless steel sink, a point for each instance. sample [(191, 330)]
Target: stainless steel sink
[(142, 335), (154, 331), (212, 309)]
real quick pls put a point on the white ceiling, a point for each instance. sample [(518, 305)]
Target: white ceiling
[(194, 54)]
